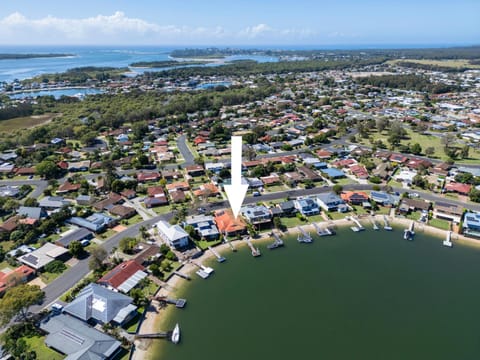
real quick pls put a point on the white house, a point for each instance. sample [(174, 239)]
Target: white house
[(174, 235)]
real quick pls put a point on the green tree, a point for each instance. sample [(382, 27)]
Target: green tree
[(17, 300), (429, 151), (465, 152), (55, 267), (32, 202), (337, 188), (127, 244), (416, 149), (47, 169), (98, 254), (76, 249)]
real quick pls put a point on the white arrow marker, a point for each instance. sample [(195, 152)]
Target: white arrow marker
[(236, 191)]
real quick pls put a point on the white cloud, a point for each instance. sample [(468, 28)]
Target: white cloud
[(119, 28)]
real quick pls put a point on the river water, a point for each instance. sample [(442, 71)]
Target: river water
[(369, 295)]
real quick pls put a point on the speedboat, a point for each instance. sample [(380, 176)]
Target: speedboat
[(176, 334)]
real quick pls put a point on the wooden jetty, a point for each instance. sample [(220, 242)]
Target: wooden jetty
[(448, 241), (322, 231), (220, 258), (303, 237), (159, 335), (358, 227), (255, 251), (410, 232), (386, 224), (229, 242), (179, 303), (184, 276), (277, 243)]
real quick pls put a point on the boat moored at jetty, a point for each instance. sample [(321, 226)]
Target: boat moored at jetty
[(176, 334)]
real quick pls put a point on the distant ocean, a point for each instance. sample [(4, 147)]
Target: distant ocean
[(122, 56)]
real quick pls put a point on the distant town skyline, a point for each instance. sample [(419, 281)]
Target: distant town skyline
[(246, 23)]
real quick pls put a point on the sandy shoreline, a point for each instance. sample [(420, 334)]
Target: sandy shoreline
[(155, 316)]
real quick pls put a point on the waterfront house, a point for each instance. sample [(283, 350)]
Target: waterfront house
[(331, 202), (447, 211), (288, 208), (408, 205), (98, 305), (355, 197), (204, 225), (228, 224), (256, 214), (173, 235), (123, 277), (471, 224), (383, 198), (77, 340), (307, 206)]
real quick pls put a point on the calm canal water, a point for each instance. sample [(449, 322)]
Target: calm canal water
[(369, 295)]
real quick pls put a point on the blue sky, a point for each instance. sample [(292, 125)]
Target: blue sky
[(245, 22)]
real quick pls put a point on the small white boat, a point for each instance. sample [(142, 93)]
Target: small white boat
[(176, 334)]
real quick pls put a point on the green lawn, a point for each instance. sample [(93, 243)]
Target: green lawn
[(345, 181), (132, 221), (162, 209), (426, 141), (47, 277), (107, 234), (414, 215), (293, 221), (276, 188), (359, 210), (203, 244), (439, 223), (337, 215), (37, 343), (382, 210), (25, 122)]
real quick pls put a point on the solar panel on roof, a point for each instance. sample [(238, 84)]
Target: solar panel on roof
[(32, 259)]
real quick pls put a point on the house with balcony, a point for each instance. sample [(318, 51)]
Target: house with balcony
[(331, 202), (307, 206), (173, 235), (256, 214), (204, 225)]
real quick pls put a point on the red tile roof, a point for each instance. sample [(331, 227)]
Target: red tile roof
[(121, 273), (459, 188)]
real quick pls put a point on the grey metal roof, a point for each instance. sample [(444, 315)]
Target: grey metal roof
[(75, 235), (132, 281), (77, 340), (124, 313), (99, 303), (32, 212)]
